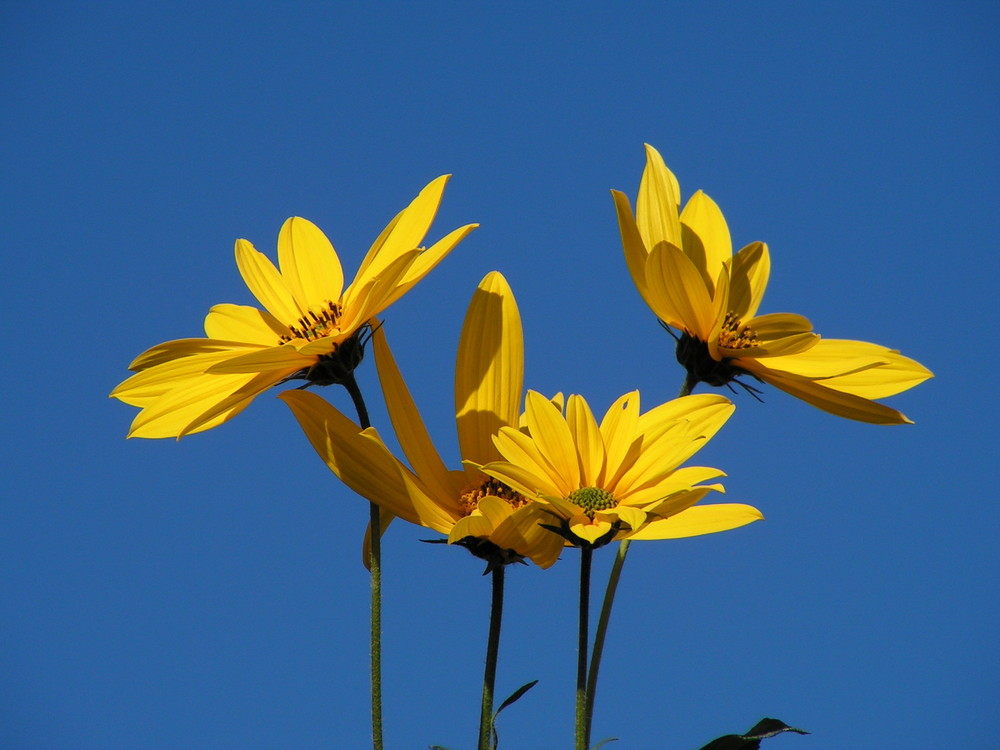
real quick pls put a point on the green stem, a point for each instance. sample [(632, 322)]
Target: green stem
[(602, 631), (492, 650), (586, 553), (375, 567), (689, 383)]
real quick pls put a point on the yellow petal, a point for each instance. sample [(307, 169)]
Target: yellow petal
[(524, 464), (427, 260), (149, 384), (699, 520), (362, 302), (244, 323), (622, 441), (309, 264), (587, 439), (705, 237), (750, 271), (635, 251), (682, 298), (590, 529), (179, 348), (778, 334), (489, 368), (285, 358), (658, 202), (523, 533), (407, 422), (405, 232), (232, 404), (267, 285), (553, 439)]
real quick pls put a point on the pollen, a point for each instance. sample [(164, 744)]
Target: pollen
[(735, 335), (472, 494), (592, 499), (316, 325)]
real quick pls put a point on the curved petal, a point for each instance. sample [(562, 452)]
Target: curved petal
[(750, 271), (679, 290), (362, 302), (553, 439), (244, 323), (427, 260), (705, 237), (405, 232), (267, 285), (489, 368), (309, 264), (523, 533), (407, 423), (658, 202), (699, 520)]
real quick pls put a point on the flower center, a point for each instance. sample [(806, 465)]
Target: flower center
[(315, 325), (472, 494), (592, 499), (735, 335)]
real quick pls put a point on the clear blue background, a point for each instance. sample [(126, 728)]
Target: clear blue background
[(209, 593)]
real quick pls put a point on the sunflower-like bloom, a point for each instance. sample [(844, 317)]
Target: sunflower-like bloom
[(311, 326), (493, 521), (685, 270), (619, 479)]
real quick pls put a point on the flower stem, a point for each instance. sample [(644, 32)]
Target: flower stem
[(602, 631), (586, 553), (492, 650), (375, 567)]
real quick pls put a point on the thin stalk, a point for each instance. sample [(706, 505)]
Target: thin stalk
[(609, 599), (492, 650), (375, 567), (602, 631), (586, 553)]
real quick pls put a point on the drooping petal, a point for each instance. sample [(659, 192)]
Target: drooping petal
[(405, 232), (682, 298), (489, 369), (267, 285), (244, 323), (309, 264), (407, 422), (705, 237), (750, 271), (658, 202), (698, 520)]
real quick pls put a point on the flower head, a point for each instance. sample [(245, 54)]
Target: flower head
[(618, 479), (683, 266), (311, 327), (491, 519)]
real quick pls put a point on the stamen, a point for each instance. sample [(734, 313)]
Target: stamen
[(735, 335), (321, 325), (592, 499), (472, 494)]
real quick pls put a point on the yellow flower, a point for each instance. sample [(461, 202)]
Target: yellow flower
[(490, 519), (619, 479), (685, 270), (311, 326)]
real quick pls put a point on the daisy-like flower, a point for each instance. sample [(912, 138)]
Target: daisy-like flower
[(685, 270), (493, 521), (619, 479), (311, 327)]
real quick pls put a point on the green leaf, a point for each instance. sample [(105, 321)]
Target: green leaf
[(602, 743), (515, 696), (751, 740)]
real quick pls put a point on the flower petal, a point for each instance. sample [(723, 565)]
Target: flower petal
[(285, 358), (489, 368), (705, 237), (553, 439), (244, 323), (427, 260), (309, 264), (699, 520), (679, 290), (658, 202), (750, 271), (266, 283), (635, 251), (587, 439)]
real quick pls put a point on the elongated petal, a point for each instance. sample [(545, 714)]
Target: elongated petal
[(309, 264), (407, 422), (829, 400), (519, 449), (363, 463), (705, 237), (244, 323), (699, 520), (489, 369), (750, 271), (552, 437), (635, 251), (705, 412), (427, 260), (181, 348), (267, 285), (233, 403), (587, 439), (361, 303), (682, 298), (658, 202), (405, 232), (285, 358), (622, 441), (683, 479)]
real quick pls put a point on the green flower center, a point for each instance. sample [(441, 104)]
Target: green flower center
[(472, 494), (315, 325), (592, 499), (735, 335)]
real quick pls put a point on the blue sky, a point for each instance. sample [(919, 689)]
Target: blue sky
[(209, 593)]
